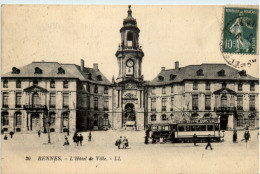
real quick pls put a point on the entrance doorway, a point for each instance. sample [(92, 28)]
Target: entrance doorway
[(129, 115), (223, 122), (35, 121)]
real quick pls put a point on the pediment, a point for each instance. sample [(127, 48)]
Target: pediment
[(35, 88), (225, 91)]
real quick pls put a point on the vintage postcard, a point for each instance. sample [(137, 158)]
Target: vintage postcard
[(129, 89)]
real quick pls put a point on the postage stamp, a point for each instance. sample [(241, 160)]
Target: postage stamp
[(240, 30)]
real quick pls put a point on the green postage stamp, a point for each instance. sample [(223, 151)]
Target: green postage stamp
[(240, 30)]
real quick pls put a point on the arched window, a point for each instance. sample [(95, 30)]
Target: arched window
[(130, 39), (153, 117), (164, 117), (36, 99), (224, 101)]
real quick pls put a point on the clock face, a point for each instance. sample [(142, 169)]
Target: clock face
[(130, 63)]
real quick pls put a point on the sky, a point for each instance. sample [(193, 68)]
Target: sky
[(68, 33)]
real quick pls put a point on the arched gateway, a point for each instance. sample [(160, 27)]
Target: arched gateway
[(129, 117)]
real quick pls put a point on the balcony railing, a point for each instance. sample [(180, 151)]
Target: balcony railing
[(35, 106), (5, 106), (252, 108), (18, 106), (66, 106), (207, 108), (52, 106), (224, 109)]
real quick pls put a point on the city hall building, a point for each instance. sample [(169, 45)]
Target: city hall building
[(70, 97)]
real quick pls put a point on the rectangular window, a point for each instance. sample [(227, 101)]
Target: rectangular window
[(153, 90), (252, 86), (35, 82), (207, 86), (52, 100), (95, 120), (163, 104), (5, 99), (18, 98), (195, 102), (18, 119), (172, 89), (96, 103), (172, 103), (232, 101), (88, 102), (153, 106), (207, 102), (5, 119), (106, 121), (52, 84), (163, 90), (18, 84), (65, 100), (252, 102), (240, 102), (106, 90), (195, 85), (224, 85), (106, 104), (240, 87), (5, 84), (65, 84), (240, 121), (141, 93), (65, 120)]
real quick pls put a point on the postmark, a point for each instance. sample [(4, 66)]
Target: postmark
[(239, 40)]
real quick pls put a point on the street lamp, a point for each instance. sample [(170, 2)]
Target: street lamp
[(68, 132)]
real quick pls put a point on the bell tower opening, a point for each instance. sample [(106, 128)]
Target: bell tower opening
[(130, 39)]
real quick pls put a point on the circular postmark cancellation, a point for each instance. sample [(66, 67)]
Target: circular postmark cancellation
[(239, 37)]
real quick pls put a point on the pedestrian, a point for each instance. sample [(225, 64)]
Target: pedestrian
[(172, 136), (246, 135), (80, 139), (11, 134), (118, 142), (76, 138), (194, 138), (66, 143), (161, 139), (39, 133), (146, 139), (208, 139), (125, 143), (235, 136), (89, 136), (5, 137)]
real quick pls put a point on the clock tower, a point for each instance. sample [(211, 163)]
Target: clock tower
[(129, 54)]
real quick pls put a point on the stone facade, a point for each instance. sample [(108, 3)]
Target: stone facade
[(73, 98)]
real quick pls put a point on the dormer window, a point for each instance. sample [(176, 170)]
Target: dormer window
[(90, 76), (242, 73), (221, 73), (160, 78), (61, 71), (200, 72), (99, 78), (37, 70), (96, 89), (5, 84), (172, 77), (15, 70)]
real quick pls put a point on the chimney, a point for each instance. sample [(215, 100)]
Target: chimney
[(95, 66), (163, 68), (81, 64), (177, 65)]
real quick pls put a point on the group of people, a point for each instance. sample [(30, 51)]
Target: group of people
[(77, 139), (246, 136), (122, 143)]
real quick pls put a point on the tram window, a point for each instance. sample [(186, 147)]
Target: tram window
[(187, 128), (201, 128), (210, 127), (166, 128), (181, 128), (159, 127), (192, 128), (154, 128), (216, 127)]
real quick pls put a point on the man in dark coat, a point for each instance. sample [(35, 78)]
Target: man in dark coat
[(80, 139), (39, 133), (235, 136), (194, 138), (208, 139), (11, 134), (247, 135), (89, 136)]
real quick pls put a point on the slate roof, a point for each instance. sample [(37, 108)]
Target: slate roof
[(50, 70), (209, 71)]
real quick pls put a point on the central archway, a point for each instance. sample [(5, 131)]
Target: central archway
[(129, 115)]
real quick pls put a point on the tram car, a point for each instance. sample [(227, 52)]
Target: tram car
[(184, 132)]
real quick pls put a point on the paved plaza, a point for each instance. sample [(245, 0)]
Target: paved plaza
[(33, 153)]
